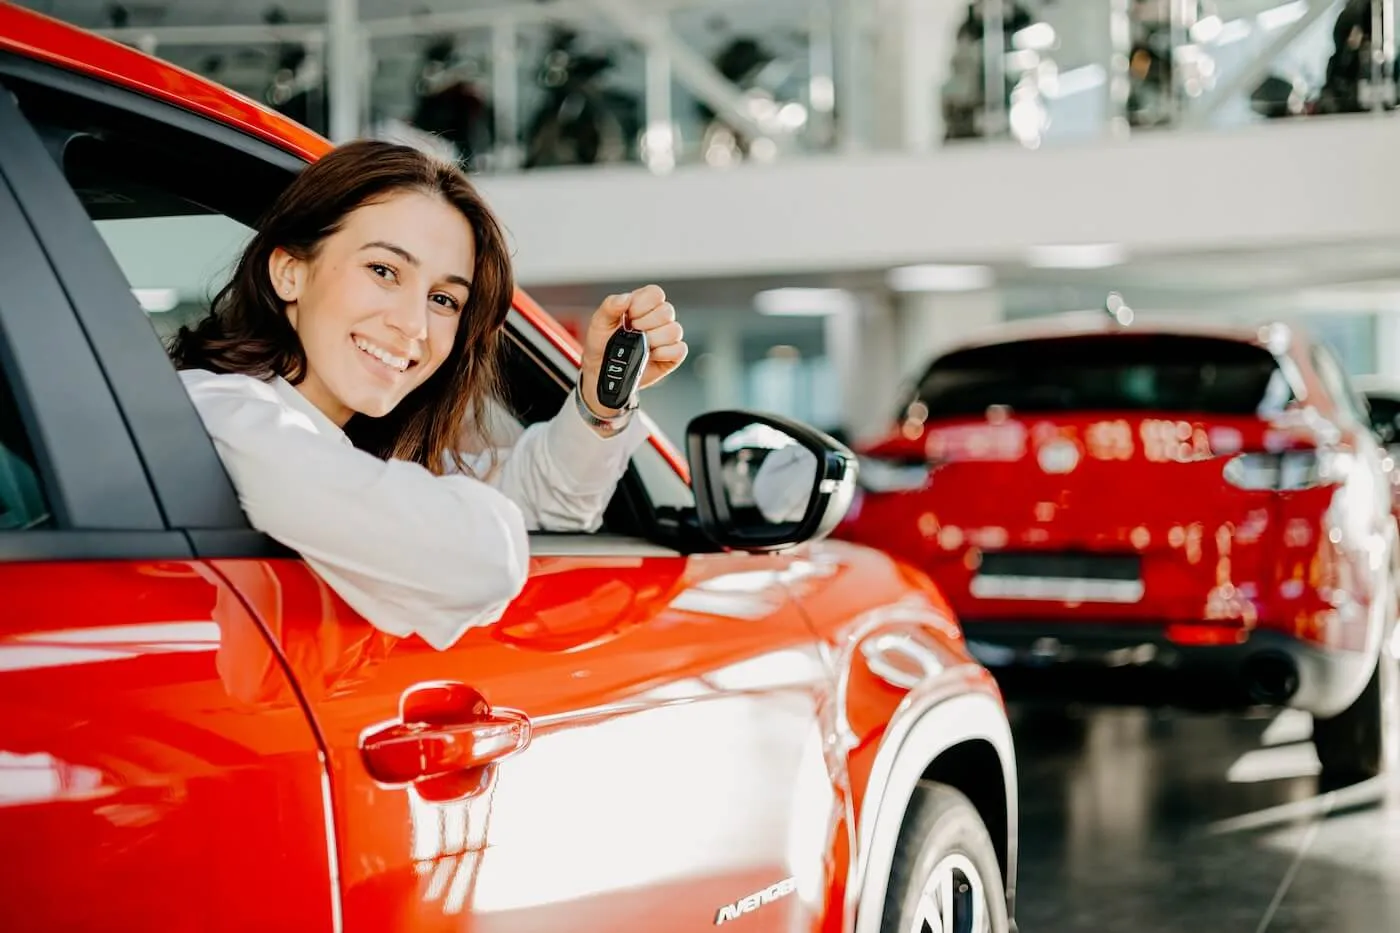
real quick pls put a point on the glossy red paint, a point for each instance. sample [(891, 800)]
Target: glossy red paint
[(890, 627), (645, 681), (154, 760)]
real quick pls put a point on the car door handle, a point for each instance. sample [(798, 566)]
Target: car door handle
[(444, 728)]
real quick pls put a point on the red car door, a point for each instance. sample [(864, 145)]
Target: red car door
[(137, 789), (670, 774)]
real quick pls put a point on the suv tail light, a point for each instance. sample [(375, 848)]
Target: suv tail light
[(1289, 470)]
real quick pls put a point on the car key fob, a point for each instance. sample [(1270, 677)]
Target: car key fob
[(624, 361)]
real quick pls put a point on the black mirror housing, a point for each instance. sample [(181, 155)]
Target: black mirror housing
[(763, 482)]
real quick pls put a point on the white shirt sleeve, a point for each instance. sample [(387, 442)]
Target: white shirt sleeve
[(412, 552), (561, 472)]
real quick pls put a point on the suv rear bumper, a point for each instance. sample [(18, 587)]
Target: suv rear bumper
[(1137, 664)]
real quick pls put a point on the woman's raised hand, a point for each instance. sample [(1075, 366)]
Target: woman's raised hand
[(646, 310)]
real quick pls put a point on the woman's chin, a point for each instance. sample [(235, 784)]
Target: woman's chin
[(376, 408), (372, 403)]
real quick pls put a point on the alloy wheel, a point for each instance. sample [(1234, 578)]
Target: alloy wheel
[(953, 899)]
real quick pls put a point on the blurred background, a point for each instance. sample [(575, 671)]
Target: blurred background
[(833, 191)]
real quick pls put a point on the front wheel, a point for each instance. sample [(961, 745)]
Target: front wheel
[(945, 877)]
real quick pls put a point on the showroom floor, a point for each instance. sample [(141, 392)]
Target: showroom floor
[(1132, 820)]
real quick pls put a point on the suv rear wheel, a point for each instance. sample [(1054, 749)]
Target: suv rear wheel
[(1358, 742), (945, 877)]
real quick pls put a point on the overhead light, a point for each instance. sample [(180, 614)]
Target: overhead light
[(1207, 29), (156, 300), (1076, 81), (1280, 16), (805, 302), (938, 277), (1037, 37), (1233, 31), (1076, 256)]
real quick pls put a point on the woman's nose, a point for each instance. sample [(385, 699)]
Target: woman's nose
[(409, 317)]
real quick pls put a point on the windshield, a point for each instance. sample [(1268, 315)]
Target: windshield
[(1112, 372)]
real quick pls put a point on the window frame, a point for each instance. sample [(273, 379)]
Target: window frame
[(188, 479), (91, 475), (1333, 376)]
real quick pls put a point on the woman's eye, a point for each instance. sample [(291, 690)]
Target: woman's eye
[(446, 301), (383, 271)]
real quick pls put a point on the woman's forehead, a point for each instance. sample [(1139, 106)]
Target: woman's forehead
[(430, 229)]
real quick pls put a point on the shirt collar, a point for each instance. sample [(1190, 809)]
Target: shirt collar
[(298, 402)]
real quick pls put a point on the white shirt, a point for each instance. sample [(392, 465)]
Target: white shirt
[(412, 552)]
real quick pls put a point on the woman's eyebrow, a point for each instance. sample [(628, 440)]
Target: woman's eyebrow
[(412, 260)]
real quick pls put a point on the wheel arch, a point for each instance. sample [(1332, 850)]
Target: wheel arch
[(952, 739)]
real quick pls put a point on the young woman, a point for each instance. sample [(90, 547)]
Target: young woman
[(355, 345)]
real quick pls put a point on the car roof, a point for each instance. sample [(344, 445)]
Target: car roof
[(1071, 324)]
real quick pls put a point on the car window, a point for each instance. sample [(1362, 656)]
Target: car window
[(1149, 372), (1335, 379), (22, 502), (175, 221), (1384, 417)]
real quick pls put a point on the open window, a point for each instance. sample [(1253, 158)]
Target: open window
[(175, 199)]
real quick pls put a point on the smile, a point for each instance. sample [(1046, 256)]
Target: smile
[(398, 363)]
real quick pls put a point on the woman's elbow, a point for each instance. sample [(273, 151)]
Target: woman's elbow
[(496, 573)]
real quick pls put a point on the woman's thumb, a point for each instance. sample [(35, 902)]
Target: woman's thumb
[(614, 307)]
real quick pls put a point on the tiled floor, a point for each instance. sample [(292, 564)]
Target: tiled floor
[(1139, 821)]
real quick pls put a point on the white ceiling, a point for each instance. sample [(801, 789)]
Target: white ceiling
[(1311, 279)]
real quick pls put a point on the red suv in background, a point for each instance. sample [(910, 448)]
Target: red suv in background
[(1155, 513), (691, 718)]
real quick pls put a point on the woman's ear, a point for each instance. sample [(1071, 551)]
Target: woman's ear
[(286, 273)]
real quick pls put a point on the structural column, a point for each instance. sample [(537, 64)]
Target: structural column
[(345, 66), (860, 342), (723, 376), (914, 42), (928, 323), (1388, 343)]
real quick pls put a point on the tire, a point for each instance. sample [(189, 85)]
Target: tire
[(1355, 744), (944, 847)]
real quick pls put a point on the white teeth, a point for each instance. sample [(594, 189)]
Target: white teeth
[(384, 356)]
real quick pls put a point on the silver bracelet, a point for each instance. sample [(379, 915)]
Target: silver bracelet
[(608, 425)]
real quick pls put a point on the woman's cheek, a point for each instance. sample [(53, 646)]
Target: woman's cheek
[(441, 333)]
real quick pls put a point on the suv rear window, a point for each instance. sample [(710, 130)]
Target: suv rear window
[(1147, 372)]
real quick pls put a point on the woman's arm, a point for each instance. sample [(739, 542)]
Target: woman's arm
[(412, 552), (562, 473)]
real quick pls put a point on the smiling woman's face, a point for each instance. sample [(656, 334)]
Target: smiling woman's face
[(377, 307)]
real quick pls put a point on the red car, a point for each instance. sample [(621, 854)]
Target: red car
[(1167, 513), (693, 718)]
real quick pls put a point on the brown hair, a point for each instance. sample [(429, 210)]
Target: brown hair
[(248, 332)]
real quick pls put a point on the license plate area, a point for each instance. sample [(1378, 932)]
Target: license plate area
[(1059, 577)]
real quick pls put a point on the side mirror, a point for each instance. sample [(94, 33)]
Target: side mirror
[(764, 482)]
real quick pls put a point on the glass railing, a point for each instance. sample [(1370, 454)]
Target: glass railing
[(533, 86)]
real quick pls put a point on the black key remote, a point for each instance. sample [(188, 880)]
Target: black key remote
[(624, 361)]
